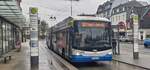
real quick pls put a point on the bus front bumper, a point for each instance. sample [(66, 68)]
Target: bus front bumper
[(80, 58)]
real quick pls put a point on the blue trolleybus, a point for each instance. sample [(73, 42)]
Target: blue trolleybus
[(82, 39)]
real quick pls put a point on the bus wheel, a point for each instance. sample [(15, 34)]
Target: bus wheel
[(63, 51), (145, 46)]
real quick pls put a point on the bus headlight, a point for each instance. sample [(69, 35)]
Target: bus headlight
[(77, 52), (110, 53)]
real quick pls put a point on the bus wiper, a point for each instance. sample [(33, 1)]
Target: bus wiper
[(102, 42)]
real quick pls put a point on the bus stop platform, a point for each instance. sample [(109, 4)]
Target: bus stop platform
[(127, 57), (21, 60)]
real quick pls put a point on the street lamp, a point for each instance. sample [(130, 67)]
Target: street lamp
[(53, 18)]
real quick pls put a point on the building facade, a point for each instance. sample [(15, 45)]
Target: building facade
[(120, 15), (122, 12), (105, 9), (144, 26)]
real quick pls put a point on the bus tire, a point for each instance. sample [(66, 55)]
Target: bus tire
[(145, 45)]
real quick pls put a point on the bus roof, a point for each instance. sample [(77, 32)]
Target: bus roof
[(64, 24), (90, 18)]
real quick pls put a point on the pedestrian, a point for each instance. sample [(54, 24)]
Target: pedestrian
[(114, 44), (18, 46)]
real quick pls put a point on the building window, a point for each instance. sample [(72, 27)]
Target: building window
[(123, 8), (119, 18), (112, 19), (117, 10), (123, 17), (112, 12), (102, 15), (120, 9), (105, 13), (116, 18), (108, 13)]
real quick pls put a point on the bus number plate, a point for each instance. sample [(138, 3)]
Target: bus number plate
[(95, 58)]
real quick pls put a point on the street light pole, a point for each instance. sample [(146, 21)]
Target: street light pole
[(71, 7), (118, 38)]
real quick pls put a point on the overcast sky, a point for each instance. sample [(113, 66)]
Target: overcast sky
[(60, 8)]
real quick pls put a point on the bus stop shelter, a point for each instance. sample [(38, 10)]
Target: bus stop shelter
[(11, 11)]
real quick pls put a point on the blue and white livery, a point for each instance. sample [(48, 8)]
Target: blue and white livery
[(82, 39)]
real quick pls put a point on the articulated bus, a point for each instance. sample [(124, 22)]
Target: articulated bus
[(82, 39)]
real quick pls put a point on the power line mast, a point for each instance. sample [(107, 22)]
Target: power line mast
[(71, 7)]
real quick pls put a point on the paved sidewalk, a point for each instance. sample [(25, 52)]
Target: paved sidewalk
[(21, 60), (127, 57)]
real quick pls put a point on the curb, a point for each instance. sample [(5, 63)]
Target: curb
[(131, 64), (63, 63)]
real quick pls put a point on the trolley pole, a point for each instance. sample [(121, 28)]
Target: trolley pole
[(34, 49), (135, 36)]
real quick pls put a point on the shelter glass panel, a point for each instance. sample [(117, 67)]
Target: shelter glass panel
[(4, 36), (1, 39), (9, 38)]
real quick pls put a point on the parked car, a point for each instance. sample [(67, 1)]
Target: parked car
[(147, 42)]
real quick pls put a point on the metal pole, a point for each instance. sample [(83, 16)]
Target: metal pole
[(71, 7), (135, 37), (118, 45), (34, 49)]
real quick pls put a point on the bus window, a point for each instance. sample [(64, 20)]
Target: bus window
[(147, 36), (92, 34)]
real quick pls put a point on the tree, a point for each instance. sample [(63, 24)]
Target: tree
[(43, 26)]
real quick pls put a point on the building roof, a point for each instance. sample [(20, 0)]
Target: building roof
[(118, 2), (131, 4), (128, 7), (102, 8), (143, 3), (134, 3)]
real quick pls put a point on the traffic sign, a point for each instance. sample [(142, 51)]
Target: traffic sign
[(135, 19)]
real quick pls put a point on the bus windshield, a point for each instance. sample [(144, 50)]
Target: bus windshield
[(92, 35), (147, 36)]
